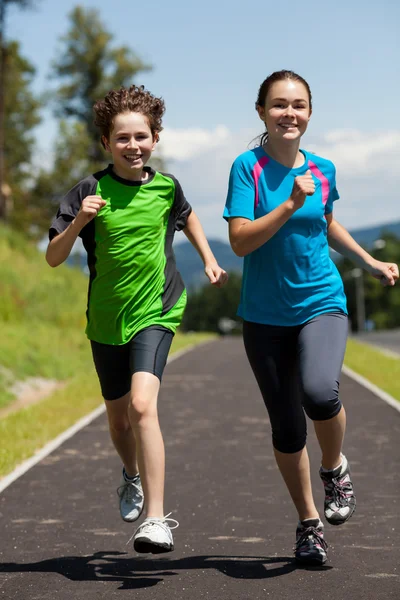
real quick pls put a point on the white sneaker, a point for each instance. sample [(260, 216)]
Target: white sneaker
[(154, 535), (131, 499)]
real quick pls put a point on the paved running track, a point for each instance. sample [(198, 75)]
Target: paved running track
[(61, 537)]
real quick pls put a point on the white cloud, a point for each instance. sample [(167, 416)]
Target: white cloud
[(367, 164)]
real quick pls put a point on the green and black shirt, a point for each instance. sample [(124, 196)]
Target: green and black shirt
[(134, 281)]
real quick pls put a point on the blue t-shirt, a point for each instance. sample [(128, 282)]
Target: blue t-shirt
[(291, 278)]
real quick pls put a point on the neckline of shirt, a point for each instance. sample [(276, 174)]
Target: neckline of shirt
[(151, 173), (304, 167)]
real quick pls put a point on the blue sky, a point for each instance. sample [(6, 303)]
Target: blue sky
[(209, 59)]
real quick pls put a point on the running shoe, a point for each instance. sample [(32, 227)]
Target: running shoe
[(154, 535), (310, 548), (340, 501), (131, 499)]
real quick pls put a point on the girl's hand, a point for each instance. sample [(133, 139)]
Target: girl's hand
[(303, 186), (387, 273), (216, 275), (89, 208)]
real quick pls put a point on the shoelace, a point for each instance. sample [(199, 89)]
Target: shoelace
[(338, 490), (311, 532), (149, 524), (130, 489)]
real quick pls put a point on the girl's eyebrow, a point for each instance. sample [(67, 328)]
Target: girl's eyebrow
[(285, 100)]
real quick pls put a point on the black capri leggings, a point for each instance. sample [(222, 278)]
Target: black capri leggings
[(297, 368)]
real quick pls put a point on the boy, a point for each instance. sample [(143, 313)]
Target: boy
[(127, 215)]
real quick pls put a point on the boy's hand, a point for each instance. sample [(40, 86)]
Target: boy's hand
[(216, 275), (89, 208), (387, 273)]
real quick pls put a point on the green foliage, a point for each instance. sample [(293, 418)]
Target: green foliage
[(209, 304), (382, 304), (91, 67)]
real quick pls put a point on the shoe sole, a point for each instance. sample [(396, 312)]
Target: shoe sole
[(145, 546), (311, 562)]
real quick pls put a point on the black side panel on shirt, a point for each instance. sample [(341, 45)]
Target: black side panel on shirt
[(177, 220)]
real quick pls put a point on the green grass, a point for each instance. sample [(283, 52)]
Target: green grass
[(24, 432), (374, 365), (42, 321)]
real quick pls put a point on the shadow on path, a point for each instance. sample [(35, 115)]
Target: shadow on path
[(138, 572)]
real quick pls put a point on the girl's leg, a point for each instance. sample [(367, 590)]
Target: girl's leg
[(295, 470), (322, 343), (272, 355)]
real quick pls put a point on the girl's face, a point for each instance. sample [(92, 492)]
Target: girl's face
[(287, 110), (131, 144)]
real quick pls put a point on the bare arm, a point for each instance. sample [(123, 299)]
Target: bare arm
[(246, 236), (60, 246), (340, 240), (195, 234)]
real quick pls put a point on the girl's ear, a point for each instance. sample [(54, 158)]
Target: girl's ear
[(261, 112), (105, 143)]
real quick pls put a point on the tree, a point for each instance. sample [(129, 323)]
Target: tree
[(90, 67), (208, 305), (3, 77)]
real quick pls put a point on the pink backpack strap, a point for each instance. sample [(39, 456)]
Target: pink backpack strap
[(257, 170), (324, 181)]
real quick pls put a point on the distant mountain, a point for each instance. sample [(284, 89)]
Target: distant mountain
[(366, 236), (191, 267)]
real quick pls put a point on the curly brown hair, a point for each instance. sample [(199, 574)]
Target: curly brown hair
[(133, 99)]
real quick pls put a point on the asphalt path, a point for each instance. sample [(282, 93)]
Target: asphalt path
[(386, 340), (61, 536)]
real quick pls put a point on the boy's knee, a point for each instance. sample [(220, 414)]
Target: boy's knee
[(141, 407)]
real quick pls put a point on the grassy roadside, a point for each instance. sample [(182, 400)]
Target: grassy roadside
[(24, 432), (374, 365)]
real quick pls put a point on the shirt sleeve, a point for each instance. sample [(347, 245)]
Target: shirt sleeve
[(240, 198), (181, 208), (70, 205), (333, 193)]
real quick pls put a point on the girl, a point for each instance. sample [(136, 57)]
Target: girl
[(280, 213), (127, 215)]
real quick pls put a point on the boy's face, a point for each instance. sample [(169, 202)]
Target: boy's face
[(131, 144)]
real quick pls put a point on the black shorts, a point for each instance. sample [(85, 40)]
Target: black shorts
[(146, 351)]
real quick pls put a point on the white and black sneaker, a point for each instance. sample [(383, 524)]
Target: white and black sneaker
[(131, 499), (154, 535), (340, 501), (310, 548)]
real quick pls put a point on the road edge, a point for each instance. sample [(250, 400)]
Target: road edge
[(48, 448)]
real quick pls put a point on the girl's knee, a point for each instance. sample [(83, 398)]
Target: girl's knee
[(321, 400)]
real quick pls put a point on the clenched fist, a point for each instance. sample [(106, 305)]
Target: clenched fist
[(303, 186), (89, 208)]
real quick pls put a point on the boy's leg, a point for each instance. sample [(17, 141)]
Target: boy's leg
[(121, 433), (113, 368), (149, 352), (150, 446)]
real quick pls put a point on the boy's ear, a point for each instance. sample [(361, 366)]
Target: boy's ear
[(156, 138), (105, 143)]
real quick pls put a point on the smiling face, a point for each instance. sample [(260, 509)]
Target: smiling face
[(131, 144), (287, 111)]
